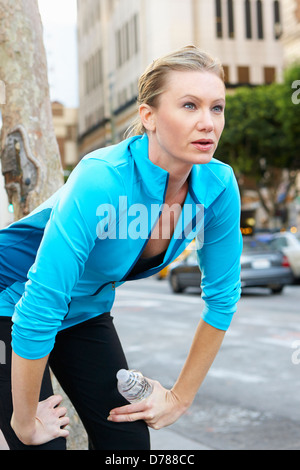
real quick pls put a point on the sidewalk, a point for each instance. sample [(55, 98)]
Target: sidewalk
[(164, 439)]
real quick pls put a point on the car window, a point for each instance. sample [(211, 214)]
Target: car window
[(279, 243), (256, 246)]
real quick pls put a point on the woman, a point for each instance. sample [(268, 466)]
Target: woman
[(60, 265)]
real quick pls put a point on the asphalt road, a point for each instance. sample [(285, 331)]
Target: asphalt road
[(250, 398)]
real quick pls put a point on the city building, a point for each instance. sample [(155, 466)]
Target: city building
[(291, 31), (117, 39), (65, 121)]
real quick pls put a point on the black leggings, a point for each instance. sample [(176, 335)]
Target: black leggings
[(85, 360)]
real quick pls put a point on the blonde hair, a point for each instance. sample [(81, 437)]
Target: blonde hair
[(153, 81)]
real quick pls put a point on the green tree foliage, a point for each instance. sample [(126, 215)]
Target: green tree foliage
[(290, 116), (262, 129)]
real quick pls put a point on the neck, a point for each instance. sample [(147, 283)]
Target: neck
[(177, 187), (178, 174)]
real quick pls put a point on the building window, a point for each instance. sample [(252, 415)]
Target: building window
[(100, 65), (136, 33), (277, 20), (119, 48), (230, 18), (297, 11), (269, 75), (219, 21), (127, 41), (57, 109), (243, 75), (93, 72), (260, 20), (248, 19), (226, 73), (98, 11), (86, 74)]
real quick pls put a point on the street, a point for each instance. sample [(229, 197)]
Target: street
[(250, 398)]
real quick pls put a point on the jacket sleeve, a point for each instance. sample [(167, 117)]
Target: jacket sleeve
[(68, 239), (219, 258)]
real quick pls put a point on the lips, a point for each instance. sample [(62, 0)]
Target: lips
[(204, 145)]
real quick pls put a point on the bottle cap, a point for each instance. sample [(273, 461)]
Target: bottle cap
[(123, 375)]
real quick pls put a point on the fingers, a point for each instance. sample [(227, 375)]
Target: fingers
[(51, 405), (126, 417), (130, 413), (54, 400), (63, 433), (158, 410), (134, 408), (60, 412), (142, 410), (63, 422)]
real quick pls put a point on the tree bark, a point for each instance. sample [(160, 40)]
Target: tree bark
[(29, 152)]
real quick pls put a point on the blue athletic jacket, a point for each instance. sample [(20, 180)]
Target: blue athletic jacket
[(59, 265)]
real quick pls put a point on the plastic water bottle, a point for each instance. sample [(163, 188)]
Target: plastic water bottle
[(133, 386)]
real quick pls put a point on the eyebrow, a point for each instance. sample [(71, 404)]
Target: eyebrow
[(193, 97)]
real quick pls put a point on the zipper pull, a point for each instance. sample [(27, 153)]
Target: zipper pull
[(113, 285)]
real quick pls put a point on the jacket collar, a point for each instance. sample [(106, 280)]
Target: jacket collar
[(204, 184), (154, 178)]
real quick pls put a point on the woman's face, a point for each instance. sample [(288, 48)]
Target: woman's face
[(188, 121)]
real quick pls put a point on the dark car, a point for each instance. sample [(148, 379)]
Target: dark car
[(261, 266), (185, 273)]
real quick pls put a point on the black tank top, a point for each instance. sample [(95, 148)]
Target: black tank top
[(143, 264)]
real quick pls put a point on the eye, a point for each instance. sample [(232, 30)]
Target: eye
[(189, 105), (218, 109)]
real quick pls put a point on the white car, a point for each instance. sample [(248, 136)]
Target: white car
[(289, 244)]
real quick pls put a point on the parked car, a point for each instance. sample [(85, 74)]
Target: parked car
[(163, 274), (289, 244), (261, 266), (185, 273)]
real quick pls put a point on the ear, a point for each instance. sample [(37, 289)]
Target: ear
[(147, 116)]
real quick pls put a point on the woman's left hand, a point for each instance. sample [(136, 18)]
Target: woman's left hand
[(159, 410)]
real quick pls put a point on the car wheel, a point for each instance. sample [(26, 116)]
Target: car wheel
[(277, 289), (176, 287)]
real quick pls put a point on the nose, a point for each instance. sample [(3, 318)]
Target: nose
[(205, 121)]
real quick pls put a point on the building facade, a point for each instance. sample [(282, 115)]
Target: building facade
[(291, 31), (117, 39), (65, 122)]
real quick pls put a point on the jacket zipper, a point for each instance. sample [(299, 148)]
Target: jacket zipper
[(113, 283), (137, 258)]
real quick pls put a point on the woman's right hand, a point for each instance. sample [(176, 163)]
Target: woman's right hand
[(49, 424)]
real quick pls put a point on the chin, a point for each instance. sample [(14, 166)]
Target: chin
[(203, 159)]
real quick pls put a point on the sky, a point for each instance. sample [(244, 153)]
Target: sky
[(59, 22)]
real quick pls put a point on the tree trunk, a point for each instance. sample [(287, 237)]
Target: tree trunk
[(29, 152)]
